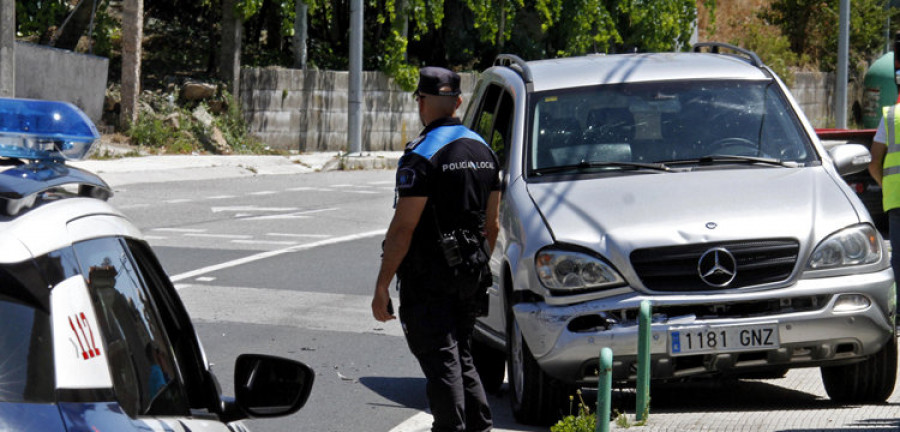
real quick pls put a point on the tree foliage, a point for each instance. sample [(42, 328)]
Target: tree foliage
[(811, 28), (402, 35)]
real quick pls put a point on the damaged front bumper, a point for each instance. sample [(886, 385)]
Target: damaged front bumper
[(819, 321)]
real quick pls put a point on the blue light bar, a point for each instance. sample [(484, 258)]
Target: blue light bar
[(44, 130)]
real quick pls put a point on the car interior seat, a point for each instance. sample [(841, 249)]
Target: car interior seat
[(609, 133), (556, 138)]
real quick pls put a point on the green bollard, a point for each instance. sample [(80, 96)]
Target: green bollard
[(604, 390), (643, 366)]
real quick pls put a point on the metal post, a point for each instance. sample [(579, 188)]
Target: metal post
[(354, 127), (643, 366), (840, 100), (7, 48), (604, 390)]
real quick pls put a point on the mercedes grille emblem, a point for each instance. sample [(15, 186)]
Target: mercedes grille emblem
[(717, 267)]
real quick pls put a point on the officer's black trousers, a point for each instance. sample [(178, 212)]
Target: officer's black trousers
[(439, 334)]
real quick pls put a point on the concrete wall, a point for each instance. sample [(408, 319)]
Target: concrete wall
[(814, 92), (306, 111), (53, 74)]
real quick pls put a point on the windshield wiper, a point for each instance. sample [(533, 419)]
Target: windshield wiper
[(583, 165), (717, 159)]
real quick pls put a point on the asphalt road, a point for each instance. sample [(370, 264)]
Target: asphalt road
[(284, 265)]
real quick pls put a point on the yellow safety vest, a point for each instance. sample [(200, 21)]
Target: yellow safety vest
[(890, 182)]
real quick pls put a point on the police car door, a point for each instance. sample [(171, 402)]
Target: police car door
[(116, 306)]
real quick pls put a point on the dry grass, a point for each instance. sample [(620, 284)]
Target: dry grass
[(731, 18)]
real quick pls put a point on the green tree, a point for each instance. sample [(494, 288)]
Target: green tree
[(811, 27), (35, 18)]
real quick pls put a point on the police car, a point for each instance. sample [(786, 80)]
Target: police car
[(93, 336)]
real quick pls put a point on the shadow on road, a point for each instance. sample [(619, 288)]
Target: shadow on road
[(405, 391)]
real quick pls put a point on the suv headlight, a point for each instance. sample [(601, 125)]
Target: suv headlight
[(563, 270), (856, 245)]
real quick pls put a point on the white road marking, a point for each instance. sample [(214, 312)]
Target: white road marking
[(178, 201), (181, 230), (219, 197), (308, 188), (265, 242), (296, 215), (251, 209), (132, 206), (264, 193), (298, 235), (269, 254), (273, 217), (220, 236)]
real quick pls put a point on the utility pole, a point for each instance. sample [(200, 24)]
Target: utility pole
[(230, 56), (7, 48), (840, 100), (301, 10), (354, 127), (132, 34)]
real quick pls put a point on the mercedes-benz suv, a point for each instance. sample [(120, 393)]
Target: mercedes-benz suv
[(692, 180)]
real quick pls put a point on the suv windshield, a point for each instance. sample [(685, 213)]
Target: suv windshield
[(663, 124)]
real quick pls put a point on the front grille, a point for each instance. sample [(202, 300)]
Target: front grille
[(675, 268)]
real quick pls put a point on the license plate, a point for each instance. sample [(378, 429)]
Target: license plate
[(716, 339)]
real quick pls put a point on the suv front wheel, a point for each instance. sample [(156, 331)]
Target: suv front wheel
[(869, 381), (535, 397)]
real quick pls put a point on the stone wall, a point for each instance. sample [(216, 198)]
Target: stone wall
[(53, 74), (306, 111)]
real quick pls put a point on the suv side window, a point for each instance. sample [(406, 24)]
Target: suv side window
[(494, 120), (144, 376)]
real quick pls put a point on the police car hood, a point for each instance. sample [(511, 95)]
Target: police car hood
[(626, 212)]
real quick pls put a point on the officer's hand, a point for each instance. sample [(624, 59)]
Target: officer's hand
[(381, 306)]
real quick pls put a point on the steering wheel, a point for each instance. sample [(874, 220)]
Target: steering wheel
[(734, 146)]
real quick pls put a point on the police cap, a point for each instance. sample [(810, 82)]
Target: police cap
[(438, 81)]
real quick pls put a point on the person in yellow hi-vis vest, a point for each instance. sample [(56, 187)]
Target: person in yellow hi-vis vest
[(885, 167)]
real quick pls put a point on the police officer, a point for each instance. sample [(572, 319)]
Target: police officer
[(444, 226), (885, 167)]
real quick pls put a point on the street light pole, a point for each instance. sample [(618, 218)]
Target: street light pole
[(840, 100), (354, 127), (7, 48)]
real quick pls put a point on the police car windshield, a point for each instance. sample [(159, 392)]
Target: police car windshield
[(665, 121), (26, 369)]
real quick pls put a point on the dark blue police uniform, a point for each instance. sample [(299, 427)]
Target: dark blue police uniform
[(454, 168)]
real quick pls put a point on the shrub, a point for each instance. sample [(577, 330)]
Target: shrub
[(582, 421)]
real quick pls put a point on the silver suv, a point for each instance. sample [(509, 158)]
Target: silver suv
[(694, 181)]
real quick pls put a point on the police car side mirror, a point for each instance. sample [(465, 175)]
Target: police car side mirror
[(268, 386)]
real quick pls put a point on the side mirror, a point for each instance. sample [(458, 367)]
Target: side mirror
[(268, 386), (850, 158)]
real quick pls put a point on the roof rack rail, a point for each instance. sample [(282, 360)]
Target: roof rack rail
[(715, 46), (515, 63)]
